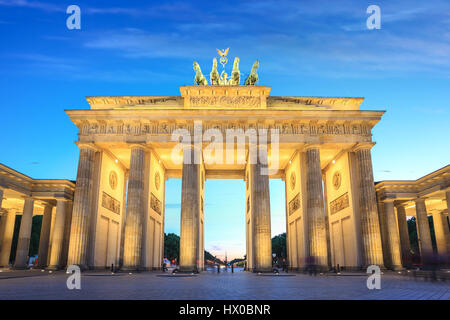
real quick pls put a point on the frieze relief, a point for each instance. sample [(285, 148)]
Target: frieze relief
[(110, 203), (155, 204), (167, 127), (294, 204), (225, 101), (339, 203)]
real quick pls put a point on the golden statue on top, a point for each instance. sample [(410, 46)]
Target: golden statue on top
[(222, 79)]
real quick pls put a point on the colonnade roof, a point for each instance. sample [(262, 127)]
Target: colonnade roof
[(431, 187), (17, 186)]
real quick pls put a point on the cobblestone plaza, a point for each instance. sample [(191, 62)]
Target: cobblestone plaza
[(34, 284)]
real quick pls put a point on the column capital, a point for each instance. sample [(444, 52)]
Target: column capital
[(87, 145), (137, 145), (420, 199), (363, 145), (388, 200), (309, 146)]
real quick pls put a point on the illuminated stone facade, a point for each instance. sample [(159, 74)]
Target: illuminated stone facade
[(127, 153), (317, 137)]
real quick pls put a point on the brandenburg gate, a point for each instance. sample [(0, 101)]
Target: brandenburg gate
[(130, 145)]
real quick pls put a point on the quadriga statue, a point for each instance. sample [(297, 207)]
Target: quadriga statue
[(199, 77), (252, 78)]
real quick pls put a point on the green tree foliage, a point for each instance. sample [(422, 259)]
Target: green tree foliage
[(34, 239), (171, 246), (413, 239), (279, 245)]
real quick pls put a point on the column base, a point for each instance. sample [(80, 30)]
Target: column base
[(188, 269), (130, 268), (262, 270), (397, 268), (20, 268), (52, 268)]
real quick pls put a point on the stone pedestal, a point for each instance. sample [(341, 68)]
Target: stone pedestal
[(317, 255), (6, 234), (392, 236), (404, 236), (370, 226), (260, 215), (190, 211), (135, 209), (58, 235), (23, 244), (44, 239), (82, 208), (423, 231)]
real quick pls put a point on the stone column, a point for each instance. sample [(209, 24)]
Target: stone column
[(135, 209), (260, 206), (58, 235), (442, 236), (79, 230), (67, 224), (1, 198), (23, 244), (447, 197), (190, 211), (404, 235), (393, 236), (423, 229), (6, 234), (124, 217), (44, 237), (317, 254), (370, 225)]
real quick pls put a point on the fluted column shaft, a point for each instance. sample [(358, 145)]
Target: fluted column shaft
[(260, 204), (2, 217), (317, 243), (423, 228), (67, 224), (23, 244), (6, 233), (79, 230), (58, 235), (135, 209), (1, 198), (370, 225), (44, 237), (393, 236), (404, 235), (442, 236), (190, 211)]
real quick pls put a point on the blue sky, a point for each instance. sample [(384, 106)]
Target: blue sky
[(311, 48)]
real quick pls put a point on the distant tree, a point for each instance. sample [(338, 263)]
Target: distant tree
[(209, 256), (279, 245), (34, 238), (35, 235), (171, 246), (413, 239)]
